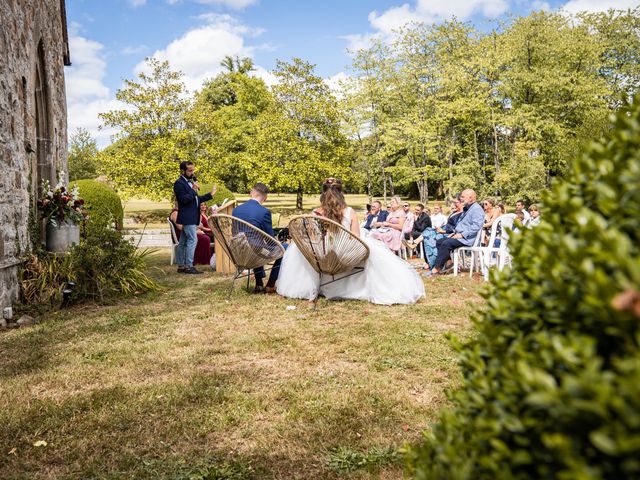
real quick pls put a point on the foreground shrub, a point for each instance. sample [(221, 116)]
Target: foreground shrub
[(105, 264), (102, 204), (551, 383)]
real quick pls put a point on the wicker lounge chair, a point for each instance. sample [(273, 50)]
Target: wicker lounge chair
[(247, 246), (330, 248)]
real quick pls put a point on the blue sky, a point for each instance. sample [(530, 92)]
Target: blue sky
[(109, 39)]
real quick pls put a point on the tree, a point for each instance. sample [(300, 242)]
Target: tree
[(299, 141), (222, 122), (151, 138), (83, 155)]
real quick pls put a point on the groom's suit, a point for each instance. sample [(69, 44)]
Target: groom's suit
[(252, 212)]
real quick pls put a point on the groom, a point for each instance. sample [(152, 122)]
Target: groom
[(254, 213)]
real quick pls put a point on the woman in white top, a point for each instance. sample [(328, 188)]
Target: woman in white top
[(386, 278)]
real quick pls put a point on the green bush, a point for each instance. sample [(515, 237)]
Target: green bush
[(222, 192), (105, 264), (102, 203), (551, 383)]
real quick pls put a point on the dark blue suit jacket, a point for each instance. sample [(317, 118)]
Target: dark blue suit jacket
[(188, 202), (382, 216), (252, 212)]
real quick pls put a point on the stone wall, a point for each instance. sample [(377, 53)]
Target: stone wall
[(33, 121)]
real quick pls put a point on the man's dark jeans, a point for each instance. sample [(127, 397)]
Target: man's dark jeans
[(445, 246)]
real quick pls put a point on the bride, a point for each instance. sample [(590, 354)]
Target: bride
[(386, 278)]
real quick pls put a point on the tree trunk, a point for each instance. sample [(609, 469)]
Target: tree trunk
[(299, 197), (423, 190), (391, 186)]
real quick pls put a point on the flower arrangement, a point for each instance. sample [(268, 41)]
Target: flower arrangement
[(59, 204)]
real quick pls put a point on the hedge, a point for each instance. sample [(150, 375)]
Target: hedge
[(551, 383), (102, 203)]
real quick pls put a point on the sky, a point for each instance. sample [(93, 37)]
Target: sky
[(110, 39)]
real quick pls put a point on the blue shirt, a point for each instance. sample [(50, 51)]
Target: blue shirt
[(470, 224)]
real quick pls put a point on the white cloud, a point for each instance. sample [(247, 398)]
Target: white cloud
[(137, 3), (359, 41), (540, 5), (199, 52), (574, 6), (267, 76), (87, 95), (430, 11)]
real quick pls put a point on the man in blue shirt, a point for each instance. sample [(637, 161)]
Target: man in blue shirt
[(464, 233), (186, 192)]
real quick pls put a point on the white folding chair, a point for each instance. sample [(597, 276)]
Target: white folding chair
[(491, 255), (174, 241), (459, 254)]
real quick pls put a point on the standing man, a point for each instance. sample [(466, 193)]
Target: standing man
[(186, 192), (464, 233), (257, 215)]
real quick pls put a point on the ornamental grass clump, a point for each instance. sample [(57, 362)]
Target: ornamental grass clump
[(551, 383)]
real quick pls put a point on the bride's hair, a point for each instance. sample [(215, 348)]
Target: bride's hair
[(332, 199)]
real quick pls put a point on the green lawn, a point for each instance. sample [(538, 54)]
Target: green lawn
[(190, 384)]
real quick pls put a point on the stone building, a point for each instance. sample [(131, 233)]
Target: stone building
[(34, 48)]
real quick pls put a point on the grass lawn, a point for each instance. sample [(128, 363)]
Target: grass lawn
[(188, 384)]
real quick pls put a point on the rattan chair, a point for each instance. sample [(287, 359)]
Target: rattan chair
[(247, 246), (330, 248)]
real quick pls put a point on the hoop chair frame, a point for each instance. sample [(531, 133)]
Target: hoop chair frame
[(227, 229), (303, 227), (174, 241)]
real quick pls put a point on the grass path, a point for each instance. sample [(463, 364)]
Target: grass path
[(186, 383)]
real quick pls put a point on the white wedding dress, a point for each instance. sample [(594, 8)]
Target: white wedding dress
[(386, 278)]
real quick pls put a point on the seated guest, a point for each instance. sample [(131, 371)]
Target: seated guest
[(391, 229), (491, 213), (422, 221), (464, 233), (202, 254), (204, 222), (252, 211), (534, 211), (431, 235), (438, 219), (409, 218), (375, 217)]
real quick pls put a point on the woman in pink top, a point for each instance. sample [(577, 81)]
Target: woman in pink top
[(391, 231)]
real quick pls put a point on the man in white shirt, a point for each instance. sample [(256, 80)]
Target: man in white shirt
[(438, 219), (520, 208)]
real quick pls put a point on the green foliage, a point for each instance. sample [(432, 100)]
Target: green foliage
[(221, 193), (551, 383), (83, 155), (151, 139), (105, 265), (299, 141), (102, 204), (43, 275)]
